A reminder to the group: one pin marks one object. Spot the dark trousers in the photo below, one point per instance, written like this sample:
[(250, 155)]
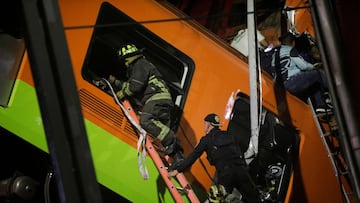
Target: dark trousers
[(308, 84), (155, 119), (237, 176)]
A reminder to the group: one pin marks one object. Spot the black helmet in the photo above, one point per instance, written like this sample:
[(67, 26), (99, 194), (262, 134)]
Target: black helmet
[(128, 50), (213, 119), (287, 37)]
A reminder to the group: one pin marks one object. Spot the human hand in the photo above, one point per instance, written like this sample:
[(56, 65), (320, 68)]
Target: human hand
[(172, 173), (317, 65), (120, 95), (112, 78), (99, 83)]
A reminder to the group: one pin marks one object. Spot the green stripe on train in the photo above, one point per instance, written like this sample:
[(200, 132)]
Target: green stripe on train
[(115, 161)]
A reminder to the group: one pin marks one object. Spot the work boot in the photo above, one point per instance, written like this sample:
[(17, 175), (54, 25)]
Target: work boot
[(172, 148), (175, 151), (176, 161)]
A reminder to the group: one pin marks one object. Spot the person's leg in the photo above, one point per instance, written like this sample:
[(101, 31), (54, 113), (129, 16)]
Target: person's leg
[(309, 82), (300, 83), (317, 77), (225, 178), (155, 119), (149, 122), (245, 184)]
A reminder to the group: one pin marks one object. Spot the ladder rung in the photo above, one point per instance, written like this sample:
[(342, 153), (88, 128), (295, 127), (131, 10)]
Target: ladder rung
[(344, 173), (185, 187), (332, 154), (323, 136)]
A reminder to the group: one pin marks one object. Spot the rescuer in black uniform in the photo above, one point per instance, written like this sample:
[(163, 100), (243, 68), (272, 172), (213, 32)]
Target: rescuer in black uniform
[(146, 85), (227, 158)]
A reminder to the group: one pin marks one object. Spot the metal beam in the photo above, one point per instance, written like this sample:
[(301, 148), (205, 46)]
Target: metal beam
[(332, 49), (59, 102), (253, 78)]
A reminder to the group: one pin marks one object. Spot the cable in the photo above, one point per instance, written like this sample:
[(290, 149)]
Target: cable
[(47, 187)]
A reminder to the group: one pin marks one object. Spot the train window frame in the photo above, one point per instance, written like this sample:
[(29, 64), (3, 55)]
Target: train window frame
[(112, 30), (11, 53)]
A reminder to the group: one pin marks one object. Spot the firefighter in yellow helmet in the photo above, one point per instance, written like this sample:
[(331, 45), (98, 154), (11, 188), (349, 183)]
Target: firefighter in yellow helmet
[(217, 194), (145, 84)]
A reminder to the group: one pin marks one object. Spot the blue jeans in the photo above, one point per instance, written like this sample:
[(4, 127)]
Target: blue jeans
[(308, 84)]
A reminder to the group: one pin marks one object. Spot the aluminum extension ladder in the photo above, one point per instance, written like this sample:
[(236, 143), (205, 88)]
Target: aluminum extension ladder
[(327, 125)]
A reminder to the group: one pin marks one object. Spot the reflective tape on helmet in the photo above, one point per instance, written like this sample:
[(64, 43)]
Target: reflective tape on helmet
[(127, 49)]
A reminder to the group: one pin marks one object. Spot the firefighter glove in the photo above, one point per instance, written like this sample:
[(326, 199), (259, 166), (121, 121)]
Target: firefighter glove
[(120, 95), (318, 65), (112, 79), (100, 83)]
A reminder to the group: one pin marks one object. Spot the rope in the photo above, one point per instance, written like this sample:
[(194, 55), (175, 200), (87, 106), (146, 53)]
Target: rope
[(141, 149)]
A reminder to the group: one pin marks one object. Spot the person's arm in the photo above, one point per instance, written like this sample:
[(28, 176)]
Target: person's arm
[(114, 81), (193, 156), (301, 63), (136, 82)]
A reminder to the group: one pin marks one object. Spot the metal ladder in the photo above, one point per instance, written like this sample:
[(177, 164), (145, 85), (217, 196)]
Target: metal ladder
[(176, 192), (327, 128)]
